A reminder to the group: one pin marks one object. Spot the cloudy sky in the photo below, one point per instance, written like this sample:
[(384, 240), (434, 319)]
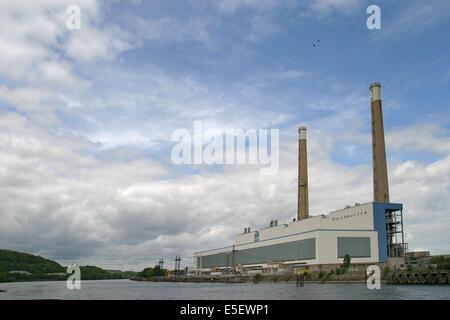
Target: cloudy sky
[(86, 118)]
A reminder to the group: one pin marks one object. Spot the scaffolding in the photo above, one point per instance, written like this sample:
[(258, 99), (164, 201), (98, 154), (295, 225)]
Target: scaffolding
[(396, 245)]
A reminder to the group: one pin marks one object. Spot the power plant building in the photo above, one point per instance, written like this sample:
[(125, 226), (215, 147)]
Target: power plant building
[(369, 233)]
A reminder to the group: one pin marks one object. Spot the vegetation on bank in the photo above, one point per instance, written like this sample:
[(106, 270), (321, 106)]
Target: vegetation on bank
[(96, 273), (440, 262), (17, 266), (18, 261), (149, 273)]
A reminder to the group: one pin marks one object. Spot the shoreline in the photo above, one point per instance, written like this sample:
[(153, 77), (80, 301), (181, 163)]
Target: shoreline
[(249, 280), (54, 280)]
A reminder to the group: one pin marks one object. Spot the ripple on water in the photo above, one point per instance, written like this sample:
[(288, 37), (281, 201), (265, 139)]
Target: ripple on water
[(126, 289)]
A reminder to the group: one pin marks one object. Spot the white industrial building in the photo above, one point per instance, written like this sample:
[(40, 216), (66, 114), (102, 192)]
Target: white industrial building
[(362, 231), (369, 233)]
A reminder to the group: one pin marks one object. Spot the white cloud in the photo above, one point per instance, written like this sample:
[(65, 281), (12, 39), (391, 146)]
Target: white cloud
[(38, 104), (169, 29), (267, 78), (416, 17), (261, 27), (34, 32), (24, 99), (60, 74), (90, 43), (420, 137), (319, 6), (231, 6), (325, 6), (36, 58)]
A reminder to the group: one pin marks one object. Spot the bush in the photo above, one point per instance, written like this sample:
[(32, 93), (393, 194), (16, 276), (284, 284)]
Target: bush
[(257, 277), (346, 264), (347, 261), (441, 262), (443, 266), (96, 273), (324, 276), (4, 277), (386, 270), (153, 272)]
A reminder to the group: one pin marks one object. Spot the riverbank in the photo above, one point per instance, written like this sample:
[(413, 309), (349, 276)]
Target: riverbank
[(402, 278), (315, 277)]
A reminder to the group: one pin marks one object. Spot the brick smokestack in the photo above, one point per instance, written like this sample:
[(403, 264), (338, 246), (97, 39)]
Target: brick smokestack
[(380, 174), (302, 205)]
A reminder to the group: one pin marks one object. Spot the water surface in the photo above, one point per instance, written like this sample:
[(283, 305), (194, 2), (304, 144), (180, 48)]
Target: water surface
[(127, 289)]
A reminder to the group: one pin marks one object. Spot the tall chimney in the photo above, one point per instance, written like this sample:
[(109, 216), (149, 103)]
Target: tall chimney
[(302, 205), (380, 175)]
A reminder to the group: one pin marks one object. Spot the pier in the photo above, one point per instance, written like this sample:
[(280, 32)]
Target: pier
[(418, 277)]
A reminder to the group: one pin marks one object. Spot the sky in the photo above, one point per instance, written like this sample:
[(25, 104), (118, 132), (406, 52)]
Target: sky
[(86, 118)]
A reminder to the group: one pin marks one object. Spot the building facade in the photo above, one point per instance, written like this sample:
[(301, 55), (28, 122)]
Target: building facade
[(369, 233)]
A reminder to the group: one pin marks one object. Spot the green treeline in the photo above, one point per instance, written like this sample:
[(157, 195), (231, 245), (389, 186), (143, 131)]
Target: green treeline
[(18, 261), (152, 272), (441, 262), (35, 268), (96, 273)]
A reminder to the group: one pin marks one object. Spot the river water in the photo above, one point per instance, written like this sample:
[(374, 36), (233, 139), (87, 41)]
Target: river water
[(127, 289)]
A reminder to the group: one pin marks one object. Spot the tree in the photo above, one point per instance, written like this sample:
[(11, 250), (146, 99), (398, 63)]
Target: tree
[(386, 270), (347, 261), (157, 271), (441, 262)]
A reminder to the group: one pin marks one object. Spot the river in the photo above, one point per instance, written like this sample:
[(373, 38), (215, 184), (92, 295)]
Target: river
[(127, 289)]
